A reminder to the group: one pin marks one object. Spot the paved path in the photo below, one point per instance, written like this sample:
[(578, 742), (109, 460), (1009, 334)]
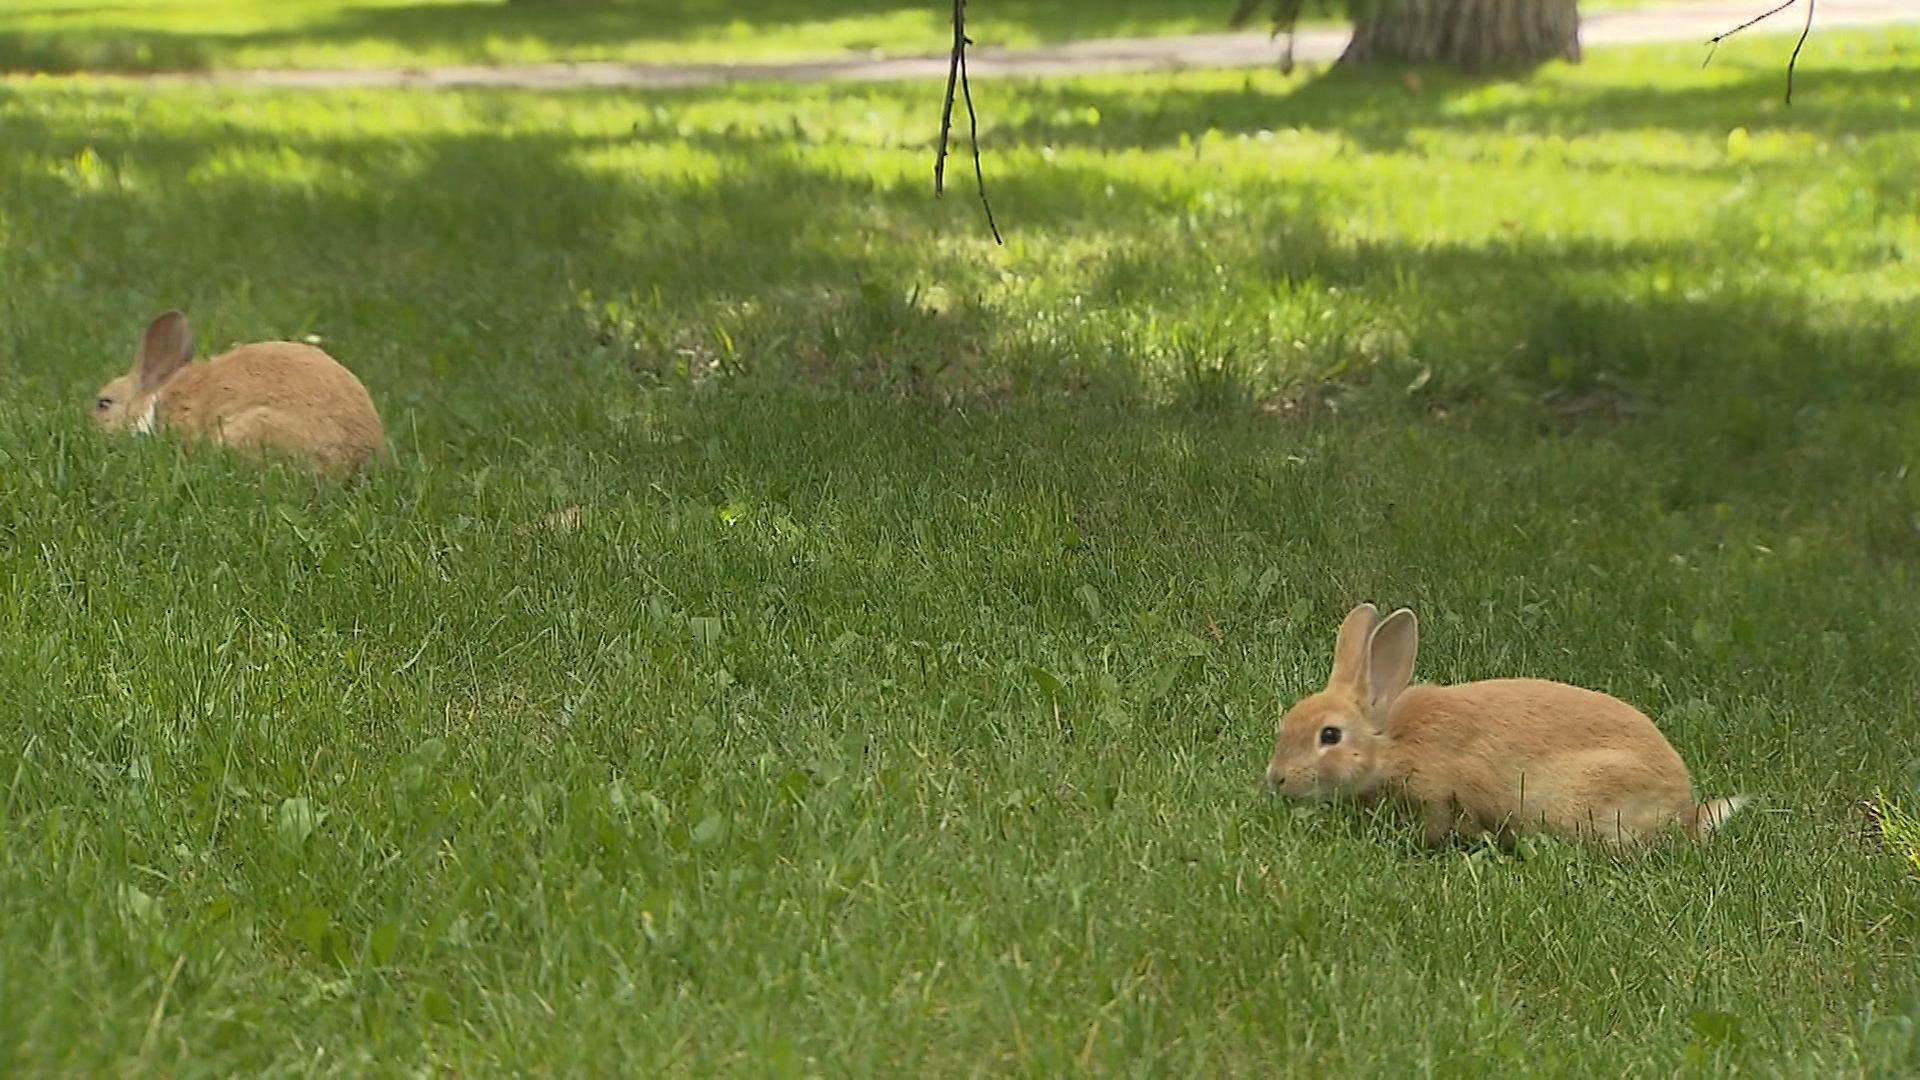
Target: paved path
[(1692, 20)]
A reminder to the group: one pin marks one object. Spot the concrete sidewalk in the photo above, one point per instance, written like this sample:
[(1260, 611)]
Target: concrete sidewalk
[(1695, 20)]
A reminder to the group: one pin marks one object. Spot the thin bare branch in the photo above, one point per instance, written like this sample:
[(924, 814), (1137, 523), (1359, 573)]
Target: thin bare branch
[(1755, 21), (946, 108), (957, 72), (1797, 46), (1713, 43), (973, 133)]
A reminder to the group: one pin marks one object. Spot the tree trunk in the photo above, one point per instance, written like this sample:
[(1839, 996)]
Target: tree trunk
[(1472, 35)]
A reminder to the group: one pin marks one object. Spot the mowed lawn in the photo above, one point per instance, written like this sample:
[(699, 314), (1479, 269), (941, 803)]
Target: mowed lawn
[(163, 35), (166, 34), (900, 701)]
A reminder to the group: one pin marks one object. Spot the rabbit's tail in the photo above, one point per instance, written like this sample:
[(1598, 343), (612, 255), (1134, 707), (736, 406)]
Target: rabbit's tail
[(1710, 816)]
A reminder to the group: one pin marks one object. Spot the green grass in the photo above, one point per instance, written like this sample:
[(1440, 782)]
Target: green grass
[(1900, 829), (149, 35), (163, 34), (901, 703)]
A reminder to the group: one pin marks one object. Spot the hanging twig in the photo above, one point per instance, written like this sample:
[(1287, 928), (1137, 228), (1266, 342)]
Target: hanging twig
[(946, 108), (1797, 46), (1714, 42), (957, 73), (973, 135)]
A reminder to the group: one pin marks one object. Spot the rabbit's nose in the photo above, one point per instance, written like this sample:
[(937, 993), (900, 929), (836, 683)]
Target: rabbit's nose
[(1274, 778)]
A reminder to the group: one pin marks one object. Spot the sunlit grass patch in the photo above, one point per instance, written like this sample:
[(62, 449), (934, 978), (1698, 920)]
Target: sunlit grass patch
[(1900, 829)]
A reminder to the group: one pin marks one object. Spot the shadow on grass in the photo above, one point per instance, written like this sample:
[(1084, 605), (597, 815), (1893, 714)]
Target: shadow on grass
[(1378, 110), (128, 51), (466, 27), (486, 284), (474, 31)]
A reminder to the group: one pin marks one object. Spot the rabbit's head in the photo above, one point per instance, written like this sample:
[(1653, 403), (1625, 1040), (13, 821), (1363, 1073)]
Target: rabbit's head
[(1331, 742), (128, 401)]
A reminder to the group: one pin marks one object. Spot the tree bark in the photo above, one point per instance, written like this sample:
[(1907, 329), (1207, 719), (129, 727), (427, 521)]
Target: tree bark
[(1472, 35)]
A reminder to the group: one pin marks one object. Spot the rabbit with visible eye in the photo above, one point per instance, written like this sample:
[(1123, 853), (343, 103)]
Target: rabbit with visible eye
[(278, 397), (1503, 756)]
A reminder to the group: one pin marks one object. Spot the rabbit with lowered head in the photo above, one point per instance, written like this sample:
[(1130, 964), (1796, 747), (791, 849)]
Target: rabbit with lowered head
[(278, 397), (1503, 756)]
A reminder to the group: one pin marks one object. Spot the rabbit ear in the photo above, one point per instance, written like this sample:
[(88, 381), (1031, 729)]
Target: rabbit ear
[(165, 348), (1350, 648), (1390, 654)]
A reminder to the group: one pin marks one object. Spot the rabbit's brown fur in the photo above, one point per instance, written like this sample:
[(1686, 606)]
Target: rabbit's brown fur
[(1503, 756), (277, 397)]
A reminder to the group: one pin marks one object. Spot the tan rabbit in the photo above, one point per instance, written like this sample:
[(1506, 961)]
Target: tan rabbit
[(277, 397), (1504, 756)]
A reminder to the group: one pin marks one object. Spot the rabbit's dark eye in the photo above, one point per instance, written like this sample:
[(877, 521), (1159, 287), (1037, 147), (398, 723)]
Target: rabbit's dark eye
[(102, 404), (1329, 735)]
